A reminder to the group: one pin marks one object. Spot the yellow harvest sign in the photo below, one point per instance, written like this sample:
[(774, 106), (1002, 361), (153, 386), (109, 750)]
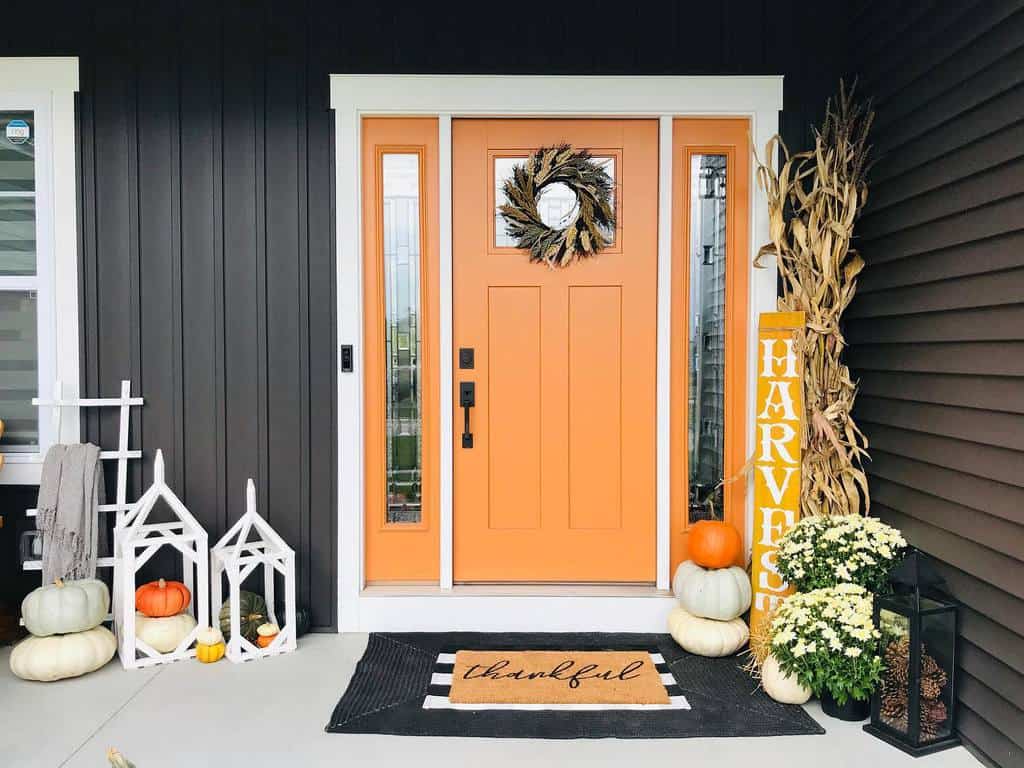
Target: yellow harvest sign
[(779, 426)]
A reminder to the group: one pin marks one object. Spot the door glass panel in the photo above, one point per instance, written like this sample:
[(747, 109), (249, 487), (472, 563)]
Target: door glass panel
[(707, 336), (17, 194), (403, 338), (557, 203), (19, 378)]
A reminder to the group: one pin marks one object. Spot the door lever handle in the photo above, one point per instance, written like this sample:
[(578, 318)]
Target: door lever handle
[(467, 399)]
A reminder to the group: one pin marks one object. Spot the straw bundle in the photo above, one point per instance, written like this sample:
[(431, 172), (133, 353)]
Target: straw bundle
[(760, 645), (813, 202)]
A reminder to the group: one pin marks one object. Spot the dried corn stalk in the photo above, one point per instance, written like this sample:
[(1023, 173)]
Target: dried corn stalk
[(813, 203)]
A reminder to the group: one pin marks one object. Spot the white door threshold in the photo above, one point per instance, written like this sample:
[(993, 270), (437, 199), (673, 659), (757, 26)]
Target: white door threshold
[(512, 608)]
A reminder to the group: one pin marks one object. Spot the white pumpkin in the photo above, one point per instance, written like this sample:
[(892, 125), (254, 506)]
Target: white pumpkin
[(707, 637), (165, 633), (785, 689), (59, 656), (65, 606), (717, 593)]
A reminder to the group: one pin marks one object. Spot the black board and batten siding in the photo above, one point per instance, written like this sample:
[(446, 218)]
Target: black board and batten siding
[(937, 329), (206, 205)]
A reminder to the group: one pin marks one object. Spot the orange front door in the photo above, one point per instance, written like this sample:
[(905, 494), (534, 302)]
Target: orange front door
[(559, 484)]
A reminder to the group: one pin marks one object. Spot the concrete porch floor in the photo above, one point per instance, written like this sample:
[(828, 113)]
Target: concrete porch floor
[(272, 713)]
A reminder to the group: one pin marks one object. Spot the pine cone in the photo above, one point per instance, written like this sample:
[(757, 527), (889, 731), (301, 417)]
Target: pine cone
[(933, 718), (931, 688), (897, 656), (891, 708)]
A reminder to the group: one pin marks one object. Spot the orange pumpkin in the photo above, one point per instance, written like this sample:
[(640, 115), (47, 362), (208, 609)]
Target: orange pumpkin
[(714, 544), (265, 634), (162, 598)]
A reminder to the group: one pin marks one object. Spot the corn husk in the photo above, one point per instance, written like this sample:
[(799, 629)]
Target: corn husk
[(814, 201)]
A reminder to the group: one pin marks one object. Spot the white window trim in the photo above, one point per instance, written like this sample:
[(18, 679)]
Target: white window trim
[(452, 96), (48, 86)]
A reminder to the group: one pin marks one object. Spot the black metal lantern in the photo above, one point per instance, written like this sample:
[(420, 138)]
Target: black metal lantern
[(914, 706)]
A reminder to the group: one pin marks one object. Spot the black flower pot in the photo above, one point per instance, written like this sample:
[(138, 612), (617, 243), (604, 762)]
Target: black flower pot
[(854, 710)]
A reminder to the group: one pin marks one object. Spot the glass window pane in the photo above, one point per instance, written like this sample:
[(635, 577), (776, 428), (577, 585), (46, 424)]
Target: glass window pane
[(401, 237), (938, 656), (895, 629), (557, 203), (19, 379), (707, 336), (17, 194)]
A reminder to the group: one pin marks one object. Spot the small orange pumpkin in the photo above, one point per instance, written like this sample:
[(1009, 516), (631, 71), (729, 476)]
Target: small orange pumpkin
[(265, 634), (162, 598), (714, 544)]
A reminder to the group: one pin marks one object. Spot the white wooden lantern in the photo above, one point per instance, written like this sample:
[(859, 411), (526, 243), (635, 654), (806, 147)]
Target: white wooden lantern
[(134, 544), (249, 544)]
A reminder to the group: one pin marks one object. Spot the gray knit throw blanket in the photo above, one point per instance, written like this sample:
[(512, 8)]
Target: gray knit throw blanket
[(70, 492)]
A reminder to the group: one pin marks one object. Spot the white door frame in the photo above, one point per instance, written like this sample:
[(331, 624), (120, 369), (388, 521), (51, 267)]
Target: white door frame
[(448, 607)]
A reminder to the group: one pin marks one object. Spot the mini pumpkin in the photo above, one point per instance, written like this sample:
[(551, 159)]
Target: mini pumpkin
[(707, 637), (163, 633), (65, 606), (59, 656), (720, 593), (252, 611), (209, 645), (715, 544), (265, 634), (785, 689), (162, 598)]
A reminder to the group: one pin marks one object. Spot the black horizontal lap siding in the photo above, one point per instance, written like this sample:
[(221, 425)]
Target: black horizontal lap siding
[(207, 202), (937, 329)]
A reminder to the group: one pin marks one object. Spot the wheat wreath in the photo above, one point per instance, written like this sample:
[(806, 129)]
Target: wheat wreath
[(587, 233)]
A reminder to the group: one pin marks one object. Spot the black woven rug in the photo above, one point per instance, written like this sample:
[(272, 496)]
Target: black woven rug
[(391, 692)]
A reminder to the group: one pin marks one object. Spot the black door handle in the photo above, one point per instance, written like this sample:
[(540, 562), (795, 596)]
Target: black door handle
[(467, 399)]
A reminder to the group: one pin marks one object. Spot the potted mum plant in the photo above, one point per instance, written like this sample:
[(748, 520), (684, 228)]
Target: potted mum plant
[(826, 638), (823, 551)]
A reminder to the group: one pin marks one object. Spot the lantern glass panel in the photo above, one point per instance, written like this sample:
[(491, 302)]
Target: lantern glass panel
[(938, 640), (895, 629)]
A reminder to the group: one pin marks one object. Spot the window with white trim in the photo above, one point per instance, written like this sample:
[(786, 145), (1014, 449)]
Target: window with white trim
[(26, 346), (38, 258)]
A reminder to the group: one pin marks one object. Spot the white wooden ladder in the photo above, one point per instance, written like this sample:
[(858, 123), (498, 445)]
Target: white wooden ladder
[(121, 506)]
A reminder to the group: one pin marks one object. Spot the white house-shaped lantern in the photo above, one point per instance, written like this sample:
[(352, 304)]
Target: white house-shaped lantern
[(249, 544), (134, 544)]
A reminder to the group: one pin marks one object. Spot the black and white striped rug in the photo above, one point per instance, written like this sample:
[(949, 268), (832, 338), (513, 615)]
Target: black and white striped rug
[(402, 683)]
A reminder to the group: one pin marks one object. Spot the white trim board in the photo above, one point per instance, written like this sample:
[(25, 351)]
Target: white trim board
[(452, 96), (457, 611)]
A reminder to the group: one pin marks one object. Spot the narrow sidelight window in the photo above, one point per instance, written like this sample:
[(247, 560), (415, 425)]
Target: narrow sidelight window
[(403, 336), (706, 358)]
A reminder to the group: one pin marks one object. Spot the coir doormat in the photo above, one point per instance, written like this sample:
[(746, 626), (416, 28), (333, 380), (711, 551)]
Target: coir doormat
[(405, 685), (561, 678)]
